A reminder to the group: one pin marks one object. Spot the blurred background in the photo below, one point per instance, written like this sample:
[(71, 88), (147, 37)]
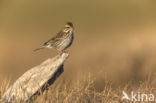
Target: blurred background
[(114, 40)]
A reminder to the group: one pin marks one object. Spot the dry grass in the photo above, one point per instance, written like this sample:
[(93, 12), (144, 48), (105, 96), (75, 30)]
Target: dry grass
[(84, 91), (4, 84)]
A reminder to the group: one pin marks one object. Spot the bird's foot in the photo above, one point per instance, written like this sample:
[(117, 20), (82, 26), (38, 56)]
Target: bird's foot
[(61, 52)]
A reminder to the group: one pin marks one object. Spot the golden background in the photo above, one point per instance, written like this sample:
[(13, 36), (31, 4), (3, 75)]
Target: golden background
[(114, 40)]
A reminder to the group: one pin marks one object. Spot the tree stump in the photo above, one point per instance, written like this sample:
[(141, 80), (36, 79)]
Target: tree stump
[(35, 80)]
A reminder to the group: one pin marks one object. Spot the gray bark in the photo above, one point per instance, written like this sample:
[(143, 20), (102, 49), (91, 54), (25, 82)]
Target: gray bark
[(36, 79)]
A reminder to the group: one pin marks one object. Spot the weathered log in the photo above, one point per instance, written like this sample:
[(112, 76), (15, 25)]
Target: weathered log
[(35, 79)]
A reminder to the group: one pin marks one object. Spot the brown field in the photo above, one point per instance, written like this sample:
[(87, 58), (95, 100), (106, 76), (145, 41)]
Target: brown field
[(114, 48)]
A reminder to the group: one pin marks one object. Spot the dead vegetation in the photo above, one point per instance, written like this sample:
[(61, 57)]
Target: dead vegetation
[(85, 92)]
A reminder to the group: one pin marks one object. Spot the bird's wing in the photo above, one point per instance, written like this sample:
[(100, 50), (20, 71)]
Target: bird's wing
[(54, 39), (51, 41), (59, 35)]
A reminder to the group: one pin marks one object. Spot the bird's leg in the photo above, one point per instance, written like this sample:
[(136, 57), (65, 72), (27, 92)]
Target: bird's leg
[(60, 52), (64, 51)]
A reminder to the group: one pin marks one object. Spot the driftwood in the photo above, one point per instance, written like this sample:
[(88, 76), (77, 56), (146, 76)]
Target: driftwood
[(36, 79)]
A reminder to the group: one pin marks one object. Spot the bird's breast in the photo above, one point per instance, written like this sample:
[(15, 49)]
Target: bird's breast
[(66, 42)]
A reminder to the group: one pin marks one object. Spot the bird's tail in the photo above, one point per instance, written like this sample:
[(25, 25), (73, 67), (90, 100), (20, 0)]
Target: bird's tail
[(39, 48)]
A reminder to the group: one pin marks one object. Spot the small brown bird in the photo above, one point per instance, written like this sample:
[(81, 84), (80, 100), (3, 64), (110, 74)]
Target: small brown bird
[(62, 40)]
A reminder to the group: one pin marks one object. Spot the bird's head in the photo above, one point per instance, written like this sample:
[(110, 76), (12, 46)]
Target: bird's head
[(68, 26)]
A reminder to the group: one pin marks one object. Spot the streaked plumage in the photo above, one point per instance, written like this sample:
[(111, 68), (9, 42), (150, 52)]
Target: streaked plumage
[(62, 40)]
